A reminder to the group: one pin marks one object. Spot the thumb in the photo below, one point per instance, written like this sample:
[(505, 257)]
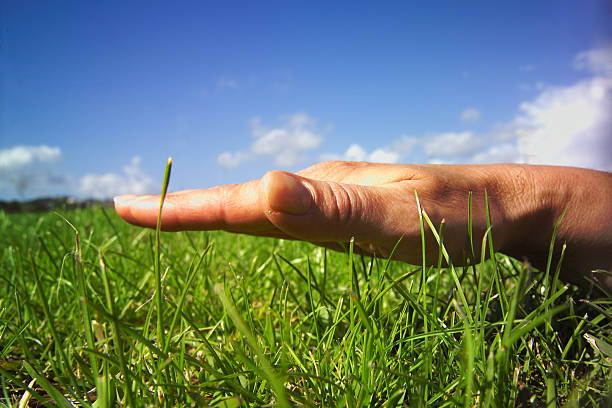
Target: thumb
[(327, 211)]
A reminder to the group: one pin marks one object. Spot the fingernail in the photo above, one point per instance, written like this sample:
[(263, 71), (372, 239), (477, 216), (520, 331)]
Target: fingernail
[(287, 194), (123, 199)]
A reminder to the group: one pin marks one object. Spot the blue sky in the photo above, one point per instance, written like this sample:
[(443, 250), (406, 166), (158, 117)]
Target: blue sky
[(94, 96)]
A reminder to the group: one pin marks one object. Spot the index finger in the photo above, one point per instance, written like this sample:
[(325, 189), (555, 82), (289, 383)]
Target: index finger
[(235, 208)]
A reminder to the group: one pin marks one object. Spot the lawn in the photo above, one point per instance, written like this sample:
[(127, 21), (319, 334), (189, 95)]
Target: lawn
[(229, 320)]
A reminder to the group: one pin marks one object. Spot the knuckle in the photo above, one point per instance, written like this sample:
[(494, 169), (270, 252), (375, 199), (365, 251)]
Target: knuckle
[(343, 203)]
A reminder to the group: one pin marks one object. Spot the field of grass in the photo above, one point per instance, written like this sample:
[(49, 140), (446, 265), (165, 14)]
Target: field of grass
[(228, 321)]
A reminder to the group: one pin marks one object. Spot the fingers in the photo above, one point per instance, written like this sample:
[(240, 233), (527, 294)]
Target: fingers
[(285, 205), (235, 208)]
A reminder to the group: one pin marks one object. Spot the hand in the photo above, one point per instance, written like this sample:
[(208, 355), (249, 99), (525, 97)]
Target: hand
[(331, 202)]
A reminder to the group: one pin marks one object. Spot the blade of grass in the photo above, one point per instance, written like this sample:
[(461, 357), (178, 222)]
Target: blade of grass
[(423, 286), (453, 273), (469, 356), (496, 274), (551, 251), (507, 328), (470, 231), (158, 278)]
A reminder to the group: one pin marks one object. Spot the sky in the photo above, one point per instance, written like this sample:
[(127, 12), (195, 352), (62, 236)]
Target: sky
[(95, 96)]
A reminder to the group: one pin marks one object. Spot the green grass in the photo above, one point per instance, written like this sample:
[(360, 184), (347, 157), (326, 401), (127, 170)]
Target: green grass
[(92, 319)]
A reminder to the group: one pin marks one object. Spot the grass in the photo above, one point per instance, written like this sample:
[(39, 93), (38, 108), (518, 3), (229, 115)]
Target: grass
[(94, 312)]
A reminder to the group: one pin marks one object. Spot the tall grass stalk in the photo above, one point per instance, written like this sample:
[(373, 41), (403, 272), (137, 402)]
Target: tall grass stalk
[(159, 296)]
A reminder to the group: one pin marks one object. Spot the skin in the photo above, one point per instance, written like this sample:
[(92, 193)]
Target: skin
[(331, 202)]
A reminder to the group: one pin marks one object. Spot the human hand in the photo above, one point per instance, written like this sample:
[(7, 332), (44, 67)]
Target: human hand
[(332, 202)]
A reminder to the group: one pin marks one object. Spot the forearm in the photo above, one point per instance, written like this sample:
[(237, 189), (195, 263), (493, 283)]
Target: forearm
[(586, 228)]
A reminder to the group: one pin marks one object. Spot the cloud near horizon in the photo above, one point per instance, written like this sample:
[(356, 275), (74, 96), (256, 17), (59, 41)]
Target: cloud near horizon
[(132, 180), (25, 168), (286, 145), (29, 171), (357, 153)]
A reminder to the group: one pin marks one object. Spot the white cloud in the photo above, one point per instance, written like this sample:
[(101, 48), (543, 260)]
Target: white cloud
[(33, 171), (451, 144), (597, 61), (132, 180), (568, 125), (22, 156), (231, 160), (439, 148), (562, 125), (470, 115), (26, 169), (384, 156), (357, 153), (502, 132), (506, 153), (287, 144), (405, 145), (227, 83)]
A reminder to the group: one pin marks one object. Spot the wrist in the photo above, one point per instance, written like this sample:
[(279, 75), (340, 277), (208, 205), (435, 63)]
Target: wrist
[(534, 200), (529, 198)]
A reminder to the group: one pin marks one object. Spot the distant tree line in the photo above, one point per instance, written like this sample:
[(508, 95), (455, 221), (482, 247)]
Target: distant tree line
[(49, 204)]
